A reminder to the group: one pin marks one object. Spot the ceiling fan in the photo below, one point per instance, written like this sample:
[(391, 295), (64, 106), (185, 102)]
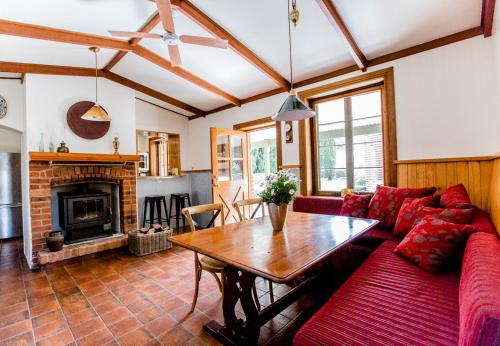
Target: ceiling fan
[(170, 37)]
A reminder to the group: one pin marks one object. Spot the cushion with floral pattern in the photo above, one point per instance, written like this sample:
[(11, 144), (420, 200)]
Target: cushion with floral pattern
[(455, 197), (460, 216), (408, 212), (387, 201), (355, 205), (433, 242)]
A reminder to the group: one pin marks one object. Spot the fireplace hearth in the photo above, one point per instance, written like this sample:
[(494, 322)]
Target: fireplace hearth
[(84, 214)]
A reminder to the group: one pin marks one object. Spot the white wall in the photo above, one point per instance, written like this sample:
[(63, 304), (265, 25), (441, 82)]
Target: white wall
[(13, 92), (48, 99), (446, 103), (496, 44), (149, 117)]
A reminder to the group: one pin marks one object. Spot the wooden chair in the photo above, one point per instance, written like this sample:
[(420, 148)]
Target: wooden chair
[(205, 263), (241, 208)]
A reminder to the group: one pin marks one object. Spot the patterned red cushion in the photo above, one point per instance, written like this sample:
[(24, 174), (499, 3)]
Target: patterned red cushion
[(355, 205), (480, 291), (455, 197), (460, 216), (387, 201), (408, 212), (432, 243)]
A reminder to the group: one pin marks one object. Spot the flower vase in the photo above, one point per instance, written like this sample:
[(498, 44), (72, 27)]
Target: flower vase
[(277, 214)]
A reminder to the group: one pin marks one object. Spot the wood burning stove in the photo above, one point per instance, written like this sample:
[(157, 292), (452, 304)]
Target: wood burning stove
[(84, 214)]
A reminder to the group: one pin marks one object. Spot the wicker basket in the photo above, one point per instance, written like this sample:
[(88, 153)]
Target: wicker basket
[(144, 244)]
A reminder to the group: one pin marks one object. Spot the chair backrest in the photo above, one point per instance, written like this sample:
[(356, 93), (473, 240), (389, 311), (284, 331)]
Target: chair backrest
[(217, 209), (240, 208)]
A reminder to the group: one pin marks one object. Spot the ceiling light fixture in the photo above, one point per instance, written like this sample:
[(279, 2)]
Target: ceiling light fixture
[(96, 113), (293, 108)]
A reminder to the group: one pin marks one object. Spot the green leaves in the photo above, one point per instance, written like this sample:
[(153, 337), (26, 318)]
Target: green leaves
[(280, 188)]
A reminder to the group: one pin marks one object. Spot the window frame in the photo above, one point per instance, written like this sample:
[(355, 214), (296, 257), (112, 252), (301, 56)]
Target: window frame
[(389, 135), (346, 95)]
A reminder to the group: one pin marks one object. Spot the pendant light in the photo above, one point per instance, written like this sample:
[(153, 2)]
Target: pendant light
[(96, 113), (293, 108)]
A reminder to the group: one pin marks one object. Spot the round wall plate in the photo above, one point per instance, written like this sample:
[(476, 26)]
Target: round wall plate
[(85, 128), (3, 107)]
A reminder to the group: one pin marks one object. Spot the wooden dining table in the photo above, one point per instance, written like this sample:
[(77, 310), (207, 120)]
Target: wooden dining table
[(251, 249)]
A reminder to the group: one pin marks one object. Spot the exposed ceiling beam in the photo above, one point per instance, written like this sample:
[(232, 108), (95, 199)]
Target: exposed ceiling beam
[(147, 27), (459, 36), (153, 93), (334, 18), (59, 35), (200, 18), (487, 15), (23, 68), (17, 67), (179, 71)]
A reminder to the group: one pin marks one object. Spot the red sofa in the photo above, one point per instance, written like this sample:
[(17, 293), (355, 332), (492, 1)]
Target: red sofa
[(390, 301)]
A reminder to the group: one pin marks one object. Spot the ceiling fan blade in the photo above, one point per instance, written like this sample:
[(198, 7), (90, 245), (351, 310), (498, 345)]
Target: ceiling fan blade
[(165, 11), (134, 34), (204, 41), (175, 56)]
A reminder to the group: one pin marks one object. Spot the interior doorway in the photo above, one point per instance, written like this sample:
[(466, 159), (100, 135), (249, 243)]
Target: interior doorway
[(263, 156)]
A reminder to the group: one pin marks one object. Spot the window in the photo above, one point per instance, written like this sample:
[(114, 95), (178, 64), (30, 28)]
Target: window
[(263, 157), (349, 150)]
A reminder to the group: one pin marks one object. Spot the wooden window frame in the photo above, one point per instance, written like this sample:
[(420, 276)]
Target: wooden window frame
[(358, 84)]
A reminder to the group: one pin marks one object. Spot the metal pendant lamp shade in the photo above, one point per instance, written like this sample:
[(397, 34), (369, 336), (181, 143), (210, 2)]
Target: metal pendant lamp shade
[(96, 112), (293, 109)]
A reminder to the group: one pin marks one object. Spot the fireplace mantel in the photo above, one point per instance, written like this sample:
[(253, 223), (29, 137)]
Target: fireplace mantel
[(82, 157)]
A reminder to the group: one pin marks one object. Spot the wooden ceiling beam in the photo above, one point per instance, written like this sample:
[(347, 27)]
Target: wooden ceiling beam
[(334, 18), (17, 67), (179, 71), (200, 18), (59, 35), (147, 27), (459, 36), (151, 92), (487, 15)]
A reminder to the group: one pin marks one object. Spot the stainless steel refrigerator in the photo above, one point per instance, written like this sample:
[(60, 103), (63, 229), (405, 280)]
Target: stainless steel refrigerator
[(11, 210)]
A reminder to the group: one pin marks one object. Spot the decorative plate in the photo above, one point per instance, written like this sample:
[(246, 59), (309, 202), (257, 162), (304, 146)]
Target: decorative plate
[(3, 107), (85, 128)]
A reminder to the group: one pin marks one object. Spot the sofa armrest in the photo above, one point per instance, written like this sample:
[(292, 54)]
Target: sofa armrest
[(479, 295), (318, 205)]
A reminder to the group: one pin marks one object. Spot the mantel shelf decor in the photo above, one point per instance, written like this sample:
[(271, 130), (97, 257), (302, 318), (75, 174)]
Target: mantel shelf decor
[(82, 157)]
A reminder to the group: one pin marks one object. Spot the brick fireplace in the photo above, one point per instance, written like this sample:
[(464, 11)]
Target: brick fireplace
[(53, 170)]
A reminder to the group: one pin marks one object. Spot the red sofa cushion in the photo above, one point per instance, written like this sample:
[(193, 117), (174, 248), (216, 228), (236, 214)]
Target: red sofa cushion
[(455, 197), (387, 301), (318, 205), (460, 216), (482, 222), (387, 201), (433, 242), (408, 212), (355, 205), (480, 291)]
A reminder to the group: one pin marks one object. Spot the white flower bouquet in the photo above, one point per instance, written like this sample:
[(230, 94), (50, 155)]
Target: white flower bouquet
[(279, 188)]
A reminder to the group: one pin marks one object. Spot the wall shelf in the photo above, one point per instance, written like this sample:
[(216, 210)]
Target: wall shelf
[(81, 157)]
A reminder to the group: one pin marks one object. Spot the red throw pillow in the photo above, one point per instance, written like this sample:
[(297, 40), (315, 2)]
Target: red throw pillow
[(355, 205), (460, 216), (432, 243), (408, 212), (387, 201), (455, 197)]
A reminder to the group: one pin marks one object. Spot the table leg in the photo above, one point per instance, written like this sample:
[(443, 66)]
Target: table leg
[(237, 286)]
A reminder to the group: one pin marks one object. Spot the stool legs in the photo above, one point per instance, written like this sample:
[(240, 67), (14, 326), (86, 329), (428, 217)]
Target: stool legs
[(164, 201), (144, 213)]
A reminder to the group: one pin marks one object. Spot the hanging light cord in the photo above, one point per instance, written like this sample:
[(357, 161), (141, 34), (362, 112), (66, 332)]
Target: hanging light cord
[(290, 43), (95, 53)]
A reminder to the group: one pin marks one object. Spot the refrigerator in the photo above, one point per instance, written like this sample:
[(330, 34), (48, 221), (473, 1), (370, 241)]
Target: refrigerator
[(11, 214)]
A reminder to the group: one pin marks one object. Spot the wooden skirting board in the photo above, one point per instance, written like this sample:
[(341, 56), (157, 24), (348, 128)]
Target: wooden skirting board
[(480, 175)]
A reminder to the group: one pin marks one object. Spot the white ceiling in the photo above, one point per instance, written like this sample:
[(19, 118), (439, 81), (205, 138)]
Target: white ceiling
[(378, 26)]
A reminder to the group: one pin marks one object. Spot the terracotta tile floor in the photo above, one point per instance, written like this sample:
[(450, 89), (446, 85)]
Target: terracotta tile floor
[(116, 299)]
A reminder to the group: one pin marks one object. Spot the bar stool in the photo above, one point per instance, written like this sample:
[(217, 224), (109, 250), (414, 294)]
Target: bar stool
[(155, 202), (179, 199)]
